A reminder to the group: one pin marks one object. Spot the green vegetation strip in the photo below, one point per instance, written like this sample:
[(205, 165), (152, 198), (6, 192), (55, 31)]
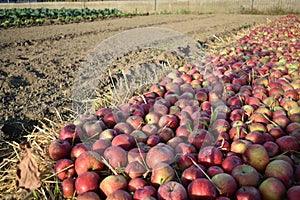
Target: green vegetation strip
[(29, 16)]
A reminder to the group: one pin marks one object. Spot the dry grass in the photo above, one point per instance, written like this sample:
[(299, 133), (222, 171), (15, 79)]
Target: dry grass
[(48, 130)]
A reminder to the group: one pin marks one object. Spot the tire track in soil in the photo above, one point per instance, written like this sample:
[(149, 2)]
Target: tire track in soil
[(38, 64)]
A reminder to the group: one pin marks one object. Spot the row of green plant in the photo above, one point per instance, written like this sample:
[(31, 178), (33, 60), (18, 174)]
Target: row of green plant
[(29, 16)]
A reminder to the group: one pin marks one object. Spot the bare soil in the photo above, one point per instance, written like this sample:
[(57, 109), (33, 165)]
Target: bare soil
[(38, 64)]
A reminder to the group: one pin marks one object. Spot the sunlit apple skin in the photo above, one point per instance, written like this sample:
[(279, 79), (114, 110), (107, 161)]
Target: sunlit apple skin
[(87, 181), (202, 188), (191, 173), (172, 190), (78, 149), (231, 162), (281, 170), (112, 183), (209, 156), (256, 156), (161, 173), (68, 187), (246, 175), (247, 193), (88, 196), (272, 188), (88, 161), (226, 183), (64, 169)]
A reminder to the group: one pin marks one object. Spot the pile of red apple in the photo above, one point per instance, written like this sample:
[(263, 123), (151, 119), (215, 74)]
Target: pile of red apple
[(224, 128)]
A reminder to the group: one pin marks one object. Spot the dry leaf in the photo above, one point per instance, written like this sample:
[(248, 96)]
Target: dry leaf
[(27, 171)]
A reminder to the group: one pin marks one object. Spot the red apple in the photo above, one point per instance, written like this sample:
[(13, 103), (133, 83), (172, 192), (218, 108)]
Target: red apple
[(71, 132), (125, 141), (240, 145), (200, 138), (158, 154), (190, 174), (225, 183), (135, 169), (202, 188), (172, 190), (88, 196), (120, 195), (256, 156), (247, 193), (135, 184), (123, 128), (231, 162), (59, 149), (112, 183), (64, 169), (150, 129), (88, 161), (287, 143), (272, 148), (135, 121), (169, 121), (68, 187), (246, 175), (78, 149), (144, 192), (116, 156), (209, 156), (293, 192), (162, 173), (272, 188), (281, 170), (87, 181)]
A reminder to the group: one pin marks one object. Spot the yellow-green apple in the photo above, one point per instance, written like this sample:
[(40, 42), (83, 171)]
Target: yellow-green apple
[(231, 162), (246, 175), (88, 161), (281, 170), (202, 188), (116, 156), (161, 173), (108, 134), (68, 187), (247, 192), (64, 168), (255, 126), (112, 183), (152, 117), (240, 145), (158, 154), (256, 156), (87, 181), (237, 132), (139, 136), (88, 196), (59, 149), (225, 183), (272, 188), (172, 190)]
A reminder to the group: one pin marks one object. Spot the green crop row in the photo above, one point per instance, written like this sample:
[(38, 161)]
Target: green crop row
[(29, 16)]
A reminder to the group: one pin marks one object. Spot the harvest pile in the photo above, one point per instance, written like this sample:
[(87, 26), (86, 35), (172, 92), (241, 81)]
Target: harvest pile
[(227, 127), (30, 16)]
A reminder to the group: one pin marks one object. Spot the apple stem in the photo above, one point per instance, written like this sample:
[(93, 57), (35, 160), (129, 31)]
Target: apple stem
[(196, 164), (108, 165)]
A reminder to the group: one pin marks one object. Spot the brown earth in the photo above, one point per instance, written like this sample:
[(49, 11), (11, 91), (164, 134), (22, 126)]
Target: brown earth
[(39, 64)]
